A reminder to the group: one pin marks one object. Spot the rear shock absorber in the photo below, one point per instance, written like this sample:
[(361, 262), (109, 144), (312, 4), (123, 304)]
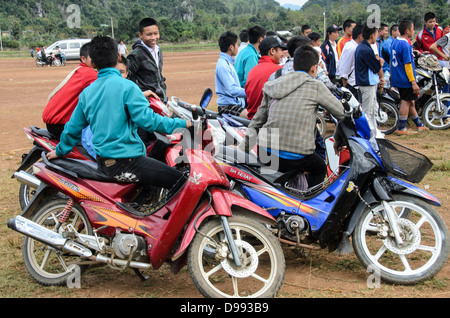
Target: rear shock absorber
[(62, 218)]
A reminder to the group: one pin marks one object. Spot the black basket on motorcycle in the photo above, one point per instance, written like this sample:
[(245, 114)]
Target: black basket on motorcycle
[(403, 162)]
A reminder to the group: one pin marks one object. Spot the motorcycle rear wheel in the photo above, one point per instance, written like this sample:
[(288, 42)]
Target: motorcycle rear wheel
[(387, 119), (434, 119), (45, 264), (263, 269), (424, 250)]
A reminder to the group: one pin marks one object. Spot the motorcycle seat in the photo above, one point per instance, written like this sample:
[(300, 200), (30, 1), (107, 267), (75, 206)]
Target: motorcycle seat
[(42, 132), (236, 156), (81, 168)]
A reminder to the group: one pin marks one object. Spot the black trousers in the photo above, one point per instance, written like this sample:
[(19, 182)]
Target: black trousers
[(55, 129), (146, 171), (313, 164)]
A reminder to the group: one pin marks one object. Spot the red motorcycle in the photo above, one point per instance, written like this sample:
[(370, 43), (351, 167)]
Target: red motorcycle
[(218, 234)]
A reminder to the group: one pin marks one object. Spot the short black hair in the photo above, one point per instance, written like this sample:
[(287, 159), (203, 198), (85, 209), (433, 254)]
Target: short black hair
[(348, 23), (357, 30), (383, 25), (368, 31), (103, 51), (226, 39), (306, 27), (256, 32), (428, 16), (147, 22), (394, 27), (314, 36), (297, 41), (404, 25), (243, 36), (84, 50), (305, 57), (124, 61)]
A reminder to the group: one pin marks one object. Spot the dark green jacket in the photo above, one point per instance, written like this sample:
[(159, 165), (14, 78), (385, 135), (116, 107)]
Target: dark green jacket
[(144, 71)]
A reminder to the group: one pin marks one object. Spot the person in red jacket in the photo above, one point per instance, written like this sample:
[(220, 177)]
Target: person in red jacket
[(430, 34), (63, 99), (271, 49)]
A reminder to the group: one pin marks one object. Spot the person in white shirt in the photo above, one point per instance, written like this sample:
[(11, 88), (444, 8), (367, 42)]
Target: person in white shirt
[(346, 66), (122, 48)]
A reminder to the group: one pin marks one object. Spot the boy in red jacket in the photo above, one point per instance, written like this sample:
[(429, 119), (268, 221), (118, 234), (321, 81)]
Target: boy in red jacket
[(430, 34), (64, 98)]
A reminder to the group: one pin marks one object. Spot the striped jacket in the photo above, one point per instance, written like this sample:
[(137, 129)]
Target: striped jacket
[(286, 119)]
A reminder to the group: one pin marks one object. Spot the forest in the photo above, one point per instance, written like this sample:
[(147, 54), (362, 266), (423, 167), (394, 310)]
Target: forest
[(31, 23)]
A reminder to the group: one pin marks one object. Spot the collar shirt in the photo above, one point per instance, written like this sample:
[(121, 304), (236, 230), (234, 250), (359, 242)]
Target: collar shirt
[(227, 84), (153, 52), (346, 66)]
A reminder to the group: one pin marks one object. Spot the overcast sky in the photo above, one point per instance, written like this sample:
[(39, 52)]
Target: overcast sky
[(296, 2)]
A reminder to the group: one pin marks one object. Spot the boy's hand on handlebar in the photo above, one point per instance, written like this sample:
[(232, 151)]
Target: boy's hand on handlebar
[(51, 155), (188, 123)]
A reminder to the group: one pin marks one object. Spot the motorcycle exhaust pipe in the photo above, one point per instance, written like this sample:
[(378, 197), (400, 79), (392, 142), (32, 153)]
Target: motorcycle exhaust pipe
[(119, 262), (27, 179), (46, 236)]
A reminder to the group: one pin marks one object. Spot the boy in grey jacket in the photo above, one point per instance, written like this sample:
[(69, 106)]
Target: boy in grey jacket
[(287, 115)]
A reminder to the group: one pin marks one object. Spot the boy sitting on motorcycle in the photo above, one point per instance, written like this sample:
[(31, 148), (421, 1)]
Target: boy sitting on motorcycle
[(114, 107), (287, 116)]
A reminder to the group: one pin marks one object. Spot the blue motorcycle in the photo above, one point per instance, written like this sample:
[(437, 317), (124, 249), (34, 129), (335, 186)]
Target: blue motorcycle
[(395, 231)]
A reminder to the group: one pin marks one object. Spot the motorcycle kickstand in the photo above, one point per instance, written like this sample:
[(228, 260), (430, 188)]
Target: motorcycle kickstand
[(231, 243), (139, 274)]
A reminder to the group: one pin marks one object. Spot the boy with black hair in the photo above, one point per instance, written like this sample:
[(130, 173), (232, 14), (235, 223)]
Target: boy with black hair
[(289, 105), (348, 29), (369, 75), (249, 56), (145, 62), (329, 50), (306, 30), (114, 107), (243, 36), (403, 77), (231, 96), (430, 33), (64, 98)]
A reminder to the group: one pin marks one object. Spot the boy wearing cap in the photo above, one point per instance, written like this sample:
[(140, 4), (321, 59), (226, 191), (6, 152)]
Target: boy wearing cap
[(271, 53), (329, 50)]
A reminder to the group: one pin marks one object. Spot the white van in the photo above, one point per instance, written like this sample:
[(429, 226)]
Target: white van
[(71, 48)]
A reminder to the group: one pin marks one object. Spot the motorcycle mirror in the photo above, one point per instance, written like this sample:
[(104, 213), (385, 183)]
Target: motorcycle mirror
[(206, 98)]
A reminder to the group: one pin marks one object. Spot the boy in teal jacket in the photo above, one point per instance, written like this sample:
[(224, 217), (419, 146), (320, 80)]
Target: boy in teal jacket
[(114, 107)]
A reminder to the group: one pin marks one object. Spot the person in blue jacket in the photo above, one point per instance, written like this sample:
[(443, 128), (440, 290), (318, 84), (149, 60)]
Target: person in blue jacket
[(114, 107), (369, 75), (329, 51)]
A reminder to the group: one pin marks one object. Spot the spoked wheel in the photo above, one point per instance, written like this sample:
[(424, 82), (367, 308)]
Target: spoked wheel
[(26, 192), (214, 272), (387, 117), (45, 264), (321, 124), (423, 252), (435, 118)]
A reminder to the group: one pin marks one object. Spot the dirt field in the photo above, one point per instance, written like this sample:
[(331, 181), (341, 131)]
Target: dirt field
[(23, 91)]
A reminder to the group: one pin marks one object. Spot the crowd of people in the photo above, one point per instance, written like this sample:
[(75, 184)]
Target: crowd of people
[(275, 82)]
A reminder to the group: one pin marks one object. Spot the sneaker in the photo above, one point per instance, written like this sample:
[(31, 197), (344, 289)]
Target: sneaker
[(402, 132), (422, 129)]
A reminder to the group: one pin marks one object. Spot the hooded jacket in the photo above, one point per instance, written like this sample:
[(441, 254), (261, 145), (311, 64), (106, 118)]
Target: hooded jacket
[(286, 119), (144, 71)]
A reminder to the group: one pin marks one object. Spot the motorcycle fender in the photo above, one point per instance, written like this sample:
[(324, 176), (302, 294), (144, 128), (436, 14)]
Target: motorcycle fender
[(222, 204), (30, 158), (401, 186), (42, 192)]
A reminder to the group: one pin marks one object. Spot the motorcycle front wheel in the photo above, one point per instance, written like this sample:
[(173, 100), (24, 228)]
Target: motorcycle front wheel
[(48, 266), (214, 272), (434, 118), (423, 252)]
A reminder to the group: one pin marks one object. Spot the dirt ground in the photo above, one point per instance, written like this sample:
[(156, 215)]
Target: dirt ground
[(23, 94)]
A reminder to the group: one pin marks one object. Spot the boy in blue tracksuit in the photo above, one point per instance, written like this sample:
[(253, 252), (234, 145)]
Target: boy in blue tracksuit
[(369, 75), (114, 107)]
